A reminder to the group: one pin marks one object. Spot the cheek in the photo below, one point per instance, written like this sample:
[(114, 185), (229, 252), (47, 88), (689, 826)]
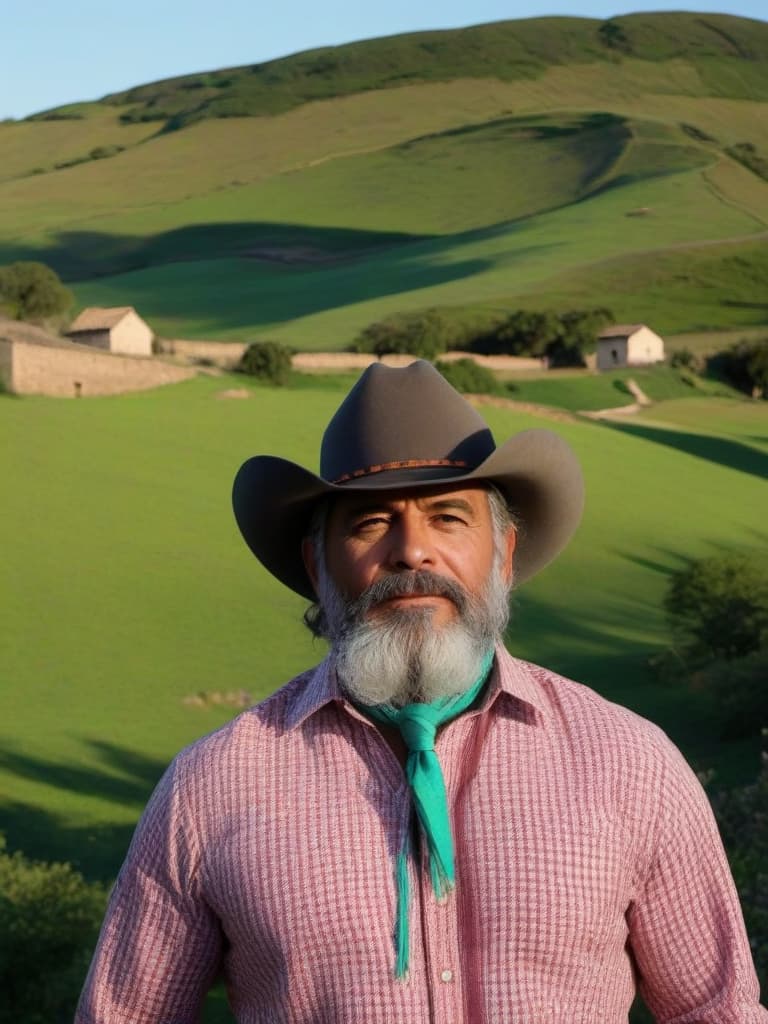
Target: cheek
[(352, 571)]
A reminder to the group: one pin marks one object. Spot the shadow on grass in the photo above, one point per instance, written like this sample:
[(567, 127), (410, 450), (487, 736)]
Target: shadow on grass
[(262, 291), (91, 254), (95, 850), (732, 454)]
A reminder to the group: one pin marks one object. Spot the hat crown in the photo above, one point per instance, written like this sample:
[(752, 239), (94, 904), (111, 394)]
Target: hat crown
[(396, 418)]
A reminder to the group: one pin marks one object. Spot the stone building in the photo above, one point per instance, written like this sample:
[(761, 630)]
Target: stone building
[(628, 345), (118, 329), (33, 362)]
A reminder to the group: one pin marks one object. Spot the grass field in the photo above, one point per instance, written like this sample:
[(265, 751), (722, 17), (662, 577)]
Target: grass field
[(132, 589), (323, 308), (582, 391)]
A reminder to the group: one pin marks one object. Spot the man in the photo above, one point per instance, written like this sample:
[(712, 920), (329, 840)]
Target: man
[(422, 828)]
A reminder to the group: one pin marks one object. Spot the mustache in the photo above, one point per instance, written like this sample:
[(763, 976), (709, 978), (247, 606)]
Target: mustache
[(422, 583)]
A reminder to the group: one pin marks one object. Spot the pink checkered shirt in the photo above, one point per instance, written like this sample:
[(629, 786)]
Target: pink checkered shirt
[(587, 861)]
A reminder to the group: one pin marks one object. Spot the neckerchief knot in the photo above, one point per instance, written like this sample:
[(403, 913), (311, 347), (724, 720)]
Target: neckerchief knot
[(418, 727)]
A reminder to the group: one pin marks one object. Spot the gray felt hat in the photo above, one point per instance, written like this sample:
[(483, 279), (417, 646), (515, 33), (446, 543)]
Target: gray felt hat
[(399, 429)]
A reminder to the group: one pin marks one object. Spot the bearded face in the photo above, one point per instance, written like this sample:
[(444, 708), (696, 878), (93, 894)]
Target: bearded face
[(389, 648)]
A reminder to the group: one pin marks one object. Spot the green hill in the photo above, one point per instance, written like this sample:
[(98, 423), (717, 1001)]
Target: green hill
[(719, 47), (506, 164)]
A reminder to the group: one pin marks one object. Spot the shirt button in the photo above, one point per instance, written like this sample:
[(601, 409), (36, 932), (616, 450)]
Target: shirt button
[(446, 975)]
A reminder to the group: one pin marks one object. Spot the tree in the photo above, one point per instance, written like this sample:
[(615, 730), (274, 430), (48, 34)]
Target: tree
[(32, 291), (49, 922), (426, 334), (267, 360), (564, 339), (527, 333), (718, 607), (744, 365)]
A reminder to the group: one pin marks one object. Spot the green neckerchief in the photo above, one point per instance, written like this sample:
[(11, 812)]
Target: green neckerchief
[(418, 724)]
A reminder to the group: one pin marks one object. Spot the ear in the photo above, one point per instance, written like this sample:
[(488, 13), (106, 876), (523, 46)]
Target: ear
[(510, 543), (310, 561)]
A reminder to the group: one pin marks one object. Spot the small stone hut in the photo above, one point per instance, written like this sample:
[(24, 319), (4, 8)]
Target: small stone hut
[(117, 329), (628, 345), (33, 362)]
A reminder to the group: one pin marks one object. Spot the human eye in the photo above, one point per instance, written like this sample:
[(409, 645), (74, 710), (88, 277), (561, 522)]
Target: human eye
[(450, 519), (369, 522)]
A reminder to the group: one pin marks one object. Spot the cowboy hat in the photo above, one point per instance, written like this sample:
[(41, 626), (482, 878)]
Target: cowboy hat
[(399, 429)]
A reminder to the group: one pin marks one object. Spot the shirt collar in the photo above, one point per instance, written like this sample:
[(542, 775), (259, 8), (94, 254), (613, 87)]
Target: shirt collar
[(509, 675), (517, 680)]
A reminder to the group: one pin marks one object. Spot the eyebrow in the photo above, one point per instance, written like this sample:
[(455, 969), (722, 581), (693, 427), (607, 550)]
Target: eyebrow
[(435, 504)]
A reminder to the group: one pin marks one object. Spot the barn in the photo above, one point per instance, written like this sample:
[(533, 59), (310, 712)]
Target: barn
[(117, 329), (628, 345)]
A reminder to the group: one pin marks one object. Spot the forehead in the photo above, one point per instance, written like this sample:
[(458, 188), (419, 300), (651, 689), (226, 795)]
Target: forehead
[(472, 498)]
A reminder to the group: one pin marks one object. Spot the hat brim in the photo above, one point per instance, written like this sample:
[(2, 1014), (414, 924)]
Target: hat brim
[(273, 501)]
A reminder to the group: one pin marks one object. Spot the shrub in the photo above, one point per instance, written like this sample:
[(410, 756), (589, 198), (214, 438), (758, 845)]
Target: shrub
[(426, 335), (744, 365), (718, 607), (469, 377), (49, 923), (32, 291), (564, 338), (739, 688), (743, 820), (684, 359), (267, 360)]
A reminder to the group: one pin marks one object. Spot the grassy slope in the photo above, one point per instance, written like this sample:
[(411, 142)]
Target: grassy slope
[(726, 52), (345, 174), (581, 391), (171, 182), (132, 588), (324, 308)]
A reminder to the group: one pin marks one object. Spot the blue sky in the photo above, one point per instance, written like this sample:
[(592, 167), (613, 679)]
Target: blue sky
[(58, 52)]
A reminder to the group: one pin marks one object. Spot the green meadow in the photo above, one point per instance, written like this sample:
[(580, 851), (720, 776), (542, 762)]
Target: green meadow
[(538, 162), (129, 588)]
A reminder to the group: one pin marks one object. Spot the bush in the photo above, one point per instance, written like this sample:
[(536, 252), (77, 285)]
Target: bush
[(267, 360), (469, 377), (718, 607), (49, 923), (742, 815), (564, 338), (739, 689), (32, 291), (685, 359), (744, 365), (426, 335)]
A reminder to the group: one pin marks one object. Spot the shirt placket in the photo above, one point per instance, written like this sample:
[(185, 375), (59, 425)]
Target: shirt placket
[(440, 931)]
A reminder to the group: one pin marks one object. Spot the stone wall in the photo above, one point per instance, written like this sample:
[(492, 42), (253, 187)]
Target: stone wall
[(69, 371)]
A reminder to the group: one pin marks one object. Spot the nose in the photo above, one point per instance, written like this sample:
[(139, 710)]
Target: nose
[(410, 546)]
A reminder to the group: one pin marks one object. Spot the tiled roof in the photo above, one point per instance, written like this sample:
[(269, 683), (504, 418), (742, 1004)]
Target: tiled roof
[(620, 330), (96, 318)]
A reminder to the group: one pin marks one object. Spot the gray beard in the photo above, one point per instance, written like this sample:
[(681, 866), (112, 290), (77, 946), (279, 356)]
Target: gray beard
[(399, 656)]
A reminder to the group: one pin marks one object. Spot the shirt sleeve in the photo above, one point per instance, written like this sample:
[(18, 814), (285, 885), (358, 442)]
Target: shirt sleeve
[(160, 946), (686, 928)]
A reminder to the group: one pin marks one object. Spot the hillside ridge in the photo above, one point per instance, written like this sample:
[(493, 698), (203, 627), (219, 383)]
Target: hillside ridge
[(508, 50)]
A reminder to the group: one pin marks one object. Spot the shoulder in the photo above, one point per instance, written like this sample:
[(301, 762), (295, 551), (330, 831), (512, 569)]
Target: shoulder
[(626, 749), (591, 718), (226, 756)]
